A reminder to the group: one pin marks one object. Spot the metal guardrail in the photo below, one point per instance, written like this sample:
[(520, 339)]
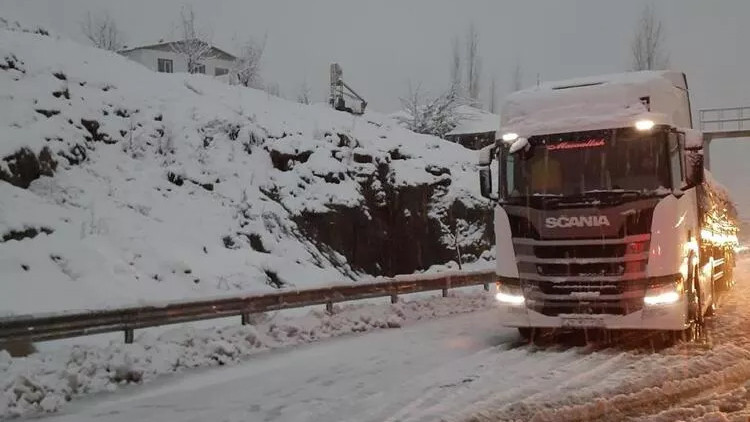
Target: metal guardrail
[(53, 326)]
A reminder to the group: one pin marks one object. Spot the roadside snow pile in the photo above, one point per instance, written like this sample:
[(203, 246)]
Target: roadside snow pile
[(44, 382), (171, 186)]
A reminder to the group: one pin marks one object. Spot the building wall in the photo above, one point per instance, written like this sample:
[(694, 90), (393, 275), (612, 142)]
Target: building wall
[(149, 58)]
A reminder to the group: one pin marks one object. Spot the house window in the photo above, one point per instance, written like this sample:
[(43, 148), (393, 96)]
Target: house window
[(199, 68), (220, 71), (165, 65)]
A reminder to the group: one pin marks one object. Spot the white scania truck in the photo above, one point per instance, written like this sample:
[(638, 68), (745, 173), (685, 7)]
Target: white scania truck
[(604, 216)]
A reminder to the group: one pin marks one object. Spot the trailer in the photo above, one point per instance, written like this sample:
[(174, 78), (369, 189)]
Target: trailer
[(604, 215)]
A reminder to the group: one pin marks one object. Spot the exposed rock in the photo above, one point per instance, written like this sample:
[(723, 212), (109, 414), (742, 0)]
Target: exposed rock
[(25, 167), (395, 234), (285, 162)]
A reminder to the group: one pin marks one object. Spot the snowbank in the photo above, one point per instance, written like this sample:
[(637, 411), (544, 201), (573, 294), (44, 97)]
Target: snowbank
[(172, 186), (44, 382)]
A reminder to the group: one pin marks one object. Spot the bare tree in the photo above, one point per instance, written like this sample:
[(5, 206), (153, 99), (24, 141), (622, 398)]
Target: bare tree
[(456, 68), (493, 96), (473, 63), (432, 116), (274, 89), (247, 66), (303, 93), (102, 31), (648, 44), (517, 81), (193, 46)]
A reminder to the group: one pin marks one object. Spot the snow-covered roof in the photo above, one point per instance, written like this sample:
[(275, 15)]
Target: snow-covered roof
[(475, 120), (162, 45), (597, 102)]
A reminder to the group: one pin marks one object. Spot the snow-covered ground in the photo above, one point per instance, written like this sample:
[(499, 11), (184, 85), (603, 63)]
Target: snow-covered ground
[(45, 381), (172, 186), (459, 369)]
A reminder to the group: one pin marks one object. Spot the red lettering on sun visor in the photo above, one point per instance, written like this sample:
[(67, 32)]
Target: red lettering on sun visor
[(590, 143)]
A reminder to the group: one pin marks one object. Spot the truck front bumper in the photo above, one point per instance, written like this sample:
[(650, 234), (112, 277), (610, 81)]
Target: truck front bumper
[(672, 316)]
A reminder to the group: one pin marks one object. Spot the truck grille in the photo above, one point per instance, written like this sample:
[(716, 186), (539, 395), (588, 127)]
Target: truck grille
[(562, 270), (590, 276), (579, 251)]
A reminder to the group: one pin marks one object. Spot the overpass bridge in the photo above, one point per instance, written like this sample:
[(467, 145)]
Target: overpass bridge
[(723, 123)]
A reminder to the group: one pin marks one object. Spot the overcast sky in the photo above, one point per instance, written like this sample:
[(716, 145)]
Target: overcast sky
[(384, 44)]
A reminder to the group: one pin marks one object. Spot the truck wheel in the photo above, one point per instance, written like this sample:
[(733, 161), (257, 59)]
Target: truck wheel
[(696, 319), (525, 332), (711, 310)]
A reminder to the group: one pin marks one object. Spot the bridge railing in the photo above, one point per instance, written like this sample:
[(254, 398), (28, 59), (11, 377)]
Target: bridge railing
[(731, 119)]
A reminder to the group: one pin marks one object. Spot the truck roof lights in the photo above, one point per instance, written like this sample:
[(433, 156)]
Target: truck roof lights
[(510, 137), (644, 124)]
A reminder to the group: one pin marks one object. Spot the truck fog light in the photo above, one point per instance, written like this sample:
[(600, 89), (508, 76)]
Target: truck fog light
[(666, 298)]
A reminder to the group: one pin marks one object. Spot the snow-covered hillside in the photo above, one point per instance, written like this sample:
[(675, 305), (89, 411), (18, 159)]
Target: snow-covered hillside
[(168, 186)]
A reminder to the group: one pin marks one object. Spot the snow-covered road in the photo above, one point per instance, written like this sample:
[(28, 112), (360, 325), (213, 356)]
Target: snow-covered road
[(410, 374), (462, 368)]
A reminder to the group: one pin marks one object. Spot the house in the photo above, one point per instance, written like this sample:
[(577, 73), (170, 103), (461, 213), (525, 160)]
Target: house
[(476, 129), (162, 57)]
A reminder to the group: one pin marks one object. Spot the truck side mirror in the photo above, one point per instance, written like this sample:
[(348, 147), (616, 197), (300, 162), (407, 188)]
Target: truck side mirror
[(485, 172), (693, 168), (485, 182)]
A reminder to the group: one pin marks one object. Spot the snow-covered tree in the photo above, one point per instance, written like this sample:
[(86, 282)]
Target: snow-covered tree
[(193, 46), (648, 43), (102, 31), (247, 66), (432, 116)]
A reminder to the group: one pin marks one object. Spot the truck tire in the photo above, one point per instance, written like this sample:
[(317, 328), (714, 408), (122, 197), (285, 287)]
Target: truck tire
[(525, 332), (696, 320)]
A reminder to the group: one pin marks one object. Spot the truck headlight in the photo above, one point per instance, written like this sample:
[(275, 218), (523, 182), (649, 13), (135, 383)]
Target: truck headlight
[(666, 298), (513, 299), (664, 291), (511, 294)]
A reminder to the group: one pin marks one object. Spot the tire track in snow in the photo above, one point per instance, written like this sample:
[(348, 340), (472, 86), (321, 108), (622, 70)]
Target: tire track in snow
[(682, 382), (463, 381)]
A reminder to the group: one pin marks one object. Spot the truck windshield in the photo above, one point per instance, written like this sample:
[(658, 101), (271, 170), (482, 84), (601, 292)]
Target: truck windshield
[(581, 163)]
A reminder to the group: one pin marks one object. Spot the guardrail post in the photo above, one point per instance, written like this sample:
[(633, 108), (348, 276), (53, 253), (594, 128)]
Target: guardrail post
[(245, 319), (394, 298), (329, 307), (129, 334)]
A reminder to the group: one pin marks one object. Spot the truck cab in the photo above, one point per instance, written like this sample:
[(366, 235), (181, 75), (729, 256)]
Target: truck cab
[(602, 211)]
